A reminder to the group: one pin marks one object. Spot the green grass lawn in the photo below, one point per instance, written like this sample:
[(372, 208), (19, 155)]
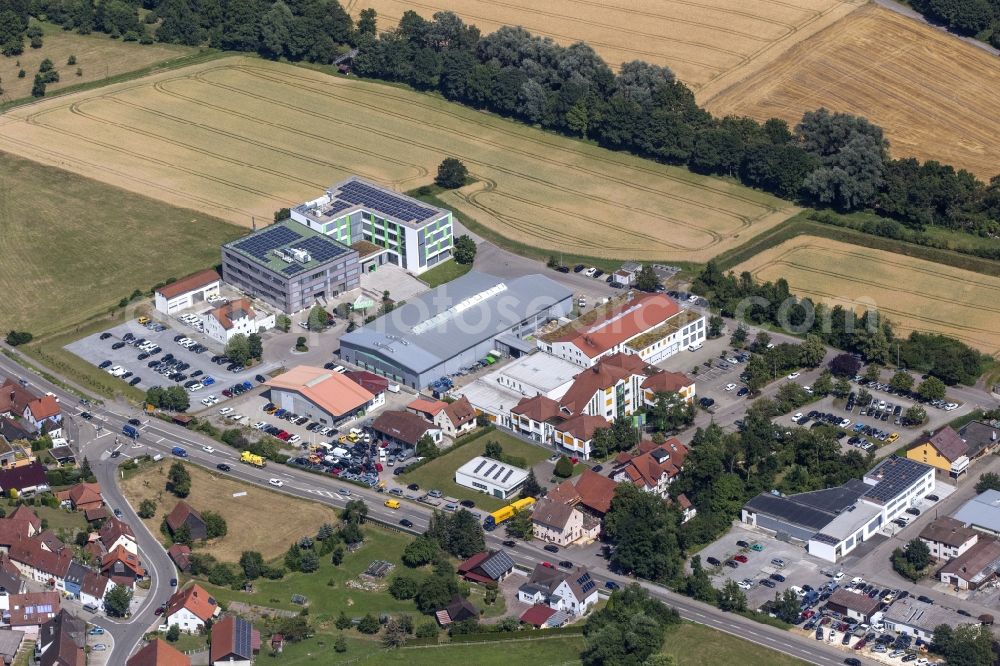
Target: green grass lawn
[(73, 247), (325, 601), (445, 272), (190, 642), (60, 519), (697, 645), (440, 473)]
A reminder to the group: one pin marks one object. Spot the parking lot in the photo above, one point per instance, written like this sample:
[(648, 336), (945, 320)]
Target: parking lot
[(199, 366)]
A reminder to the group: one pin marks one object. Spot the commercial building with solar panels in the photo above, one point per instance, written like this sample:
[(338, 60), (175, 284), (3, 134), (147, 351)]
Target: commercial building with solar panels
[(290, 266), (407, 232), (834, 521), (456, 325), (492, 477)]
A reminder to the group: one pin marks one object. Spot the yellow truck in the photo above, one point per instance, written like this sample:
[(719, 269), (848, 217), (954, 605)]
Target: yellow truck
[(392, 504), (252, 459)]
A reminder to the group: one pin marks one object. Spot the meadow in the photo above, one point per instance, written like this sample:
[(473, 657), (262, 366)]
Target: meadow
[(935, 96), (239, 138), (97, 57), (704, 43), (915, 293), (243, 513), (72, 247)]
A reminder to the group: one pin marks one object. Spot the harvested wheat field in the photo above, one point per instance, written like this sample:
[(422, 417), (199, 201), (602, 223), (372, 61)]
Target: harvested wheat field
[(915, 294), (248, 516), (700, 41), (241, 137), (935, 96)]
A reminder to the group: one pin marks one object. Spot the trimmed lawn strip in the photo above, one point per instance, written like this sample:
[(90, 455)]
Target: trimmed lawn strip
[(445, 272), (439, 474), (697, 645)]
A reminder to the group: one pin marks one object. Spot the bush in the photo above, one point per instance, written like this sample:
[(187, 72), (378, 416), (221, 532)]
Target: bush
[(427, 630), (369, 624), (564, 468), (451, 174), (71, 60), (15, 338), (147, 509)]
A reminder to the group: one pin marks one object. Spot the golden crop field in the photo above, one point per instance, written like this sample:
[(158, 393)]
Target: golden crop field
[(935, 96), (914, 293), (702, 41), (241, 137), (97, 57)]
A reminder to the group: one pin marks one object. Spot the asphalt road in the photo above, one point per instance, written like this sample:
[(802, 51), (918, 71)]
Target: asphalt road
[(160, 437)]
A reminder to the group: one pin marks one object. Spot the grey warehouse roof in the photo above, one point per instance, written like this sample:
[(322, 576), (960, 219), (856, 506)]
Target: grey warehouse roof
[(439, 324), (813, 510), (982, 511)]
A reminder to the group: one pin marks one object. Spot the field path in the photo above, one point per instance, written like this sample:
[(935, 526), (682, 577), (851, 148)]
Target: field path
[(241, 137)]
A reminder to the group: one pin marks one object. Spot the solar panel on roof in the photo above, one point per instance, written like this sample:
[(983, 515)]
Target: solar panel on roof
[(336, 207), (399, 207), (490, 470), (258, 245), (509, 472), (292, 269), (479, 466), (321, 248), (588, 586), (241, 637)]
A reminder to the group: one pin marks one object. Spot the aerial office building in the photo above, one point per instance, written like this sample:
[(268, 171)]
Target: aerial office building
[(384, 226), (290, 266)]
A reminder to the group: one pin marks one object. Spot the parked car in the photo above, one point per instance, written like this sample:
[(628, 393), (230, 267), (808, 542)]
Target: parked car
[(552, 548)]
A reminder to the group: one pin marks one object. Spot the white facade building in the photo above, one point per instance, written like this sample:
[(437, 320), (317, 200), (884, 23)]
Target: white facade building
[(187, 292), (491, 477), (226, 321)]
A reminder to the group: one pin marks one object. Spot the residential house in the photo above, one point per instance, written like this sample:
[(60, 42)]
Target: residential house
[(116, 533), (425, 408), (234, 642), (158, 652), (82, 496), (181, 556), (74, 578), (61, 641), (653, 468), (610, 388), (40, 565), (24, 513), (10, 645), (981, 438), (572, 592), (189, 609), (944, 449), (123, 567), (688, 510), (975, 567), (555, 522), (29, 611), (50, 541), (457, 418), (10, 582), (94, 515), (184, 514), (25, 479), (457, 610), (948, 538), (487, 567), (591, 492), (405, 428), (235, 318), (94, 588), (14, 531), (38, 413), (861, 607), (668, 382), (11, 431)]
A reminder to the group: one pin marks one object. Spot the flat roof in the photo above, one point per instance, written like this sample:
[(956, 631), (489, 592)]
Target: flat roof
[(849, 521), (814, 510), (288, 248), (542, 372), (983, 511), (439, 324), (492, 472), (925, 617), (356, 194), (892, 477), (329, 390), (489, 397)]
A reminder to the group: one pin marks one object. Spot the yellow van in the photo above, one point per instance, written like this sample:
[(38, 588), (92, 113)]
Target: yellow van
[(392, 504), (143, 321)]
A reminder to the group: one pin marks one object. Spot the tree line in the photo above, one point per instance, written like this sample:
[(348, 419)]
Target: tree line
[(975, 18), (827, 160), (867, 333)]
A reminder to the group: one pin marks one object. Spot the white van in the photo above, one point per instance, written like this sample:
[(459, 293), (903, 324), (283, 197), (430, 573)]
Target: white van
[(695, 347)]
